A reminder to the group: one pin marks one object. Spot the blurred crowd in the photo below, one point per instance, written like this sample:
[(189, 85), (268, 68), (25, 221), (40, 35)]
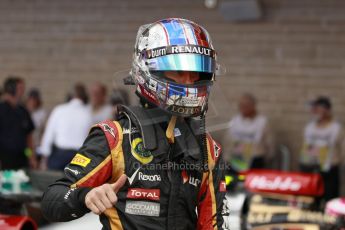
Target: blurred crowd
[(251, 145), (30, 137)]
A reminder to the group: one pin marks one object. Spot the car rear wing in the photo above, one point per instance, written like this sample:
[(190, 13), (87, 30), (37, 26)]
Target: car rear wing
[(288, 183)]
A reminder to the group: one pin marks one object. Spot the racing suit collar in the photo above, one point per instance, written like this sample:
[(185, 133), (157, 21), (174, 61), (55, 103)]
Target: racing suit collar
[(153, 122)]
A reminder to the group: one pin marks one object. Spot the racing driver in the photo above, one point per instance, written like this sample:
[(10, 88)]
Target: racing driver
[(155, 167)]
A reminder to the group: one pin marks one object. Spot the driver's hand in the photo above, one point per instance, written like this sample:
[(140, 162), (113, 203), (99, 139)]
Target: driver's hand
[(103, 197)]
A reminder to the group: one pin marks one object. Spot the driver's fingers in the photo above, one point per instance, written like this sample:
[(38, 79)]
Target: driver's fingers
[(93, 208), (106, 201), (111, 195), (100, 205)]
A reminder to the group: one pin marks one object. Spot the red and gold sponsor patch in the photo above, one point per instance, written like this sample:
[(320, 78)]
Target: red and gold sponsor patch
[(80, 160)]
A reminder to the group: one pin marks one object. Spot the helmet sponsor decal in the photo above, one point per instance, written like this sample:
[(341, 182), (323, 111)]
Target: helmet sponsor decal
[(192, 49), (184, 101), (145, 194), (161, 91), (80, 160), (187, 111), (139, 152), (185, 96), (140, 79), (152, 85), (146, 93), (142, 208)]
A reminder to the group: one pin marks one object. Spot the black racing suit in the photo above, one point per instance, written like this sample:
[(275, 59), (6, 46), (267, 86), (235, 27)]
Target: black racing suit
[(163, 190)]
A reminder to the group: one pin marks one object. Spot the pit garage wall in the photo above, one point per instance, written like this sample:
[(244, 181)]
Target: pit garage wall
[(296, 52)]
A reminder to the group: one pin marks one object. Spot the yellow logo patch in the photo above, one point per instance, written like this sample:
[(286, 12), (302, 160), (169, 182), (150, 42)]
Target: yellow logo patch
[(139, 152), (80, 160)]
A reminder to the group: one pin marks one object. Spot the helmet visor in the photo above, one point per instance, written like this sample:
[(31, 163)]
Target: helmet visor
[(183, 62), (178, 99)]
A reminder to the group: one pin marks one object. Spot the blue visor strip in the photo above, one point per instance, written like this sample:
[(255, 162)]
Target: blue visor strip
[(183, 62), (175, 32)]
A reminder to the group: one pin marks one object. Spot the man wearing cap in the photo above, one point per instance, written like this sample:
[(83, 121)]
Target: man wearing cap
[(322, 149)]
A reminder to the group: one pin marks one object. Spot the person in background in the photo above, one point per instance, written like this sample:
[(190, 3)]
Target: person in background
[(251, 143), (16, 127), (38, 114), (99, 107), (66, 129), (20, 89), (323, 151)]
